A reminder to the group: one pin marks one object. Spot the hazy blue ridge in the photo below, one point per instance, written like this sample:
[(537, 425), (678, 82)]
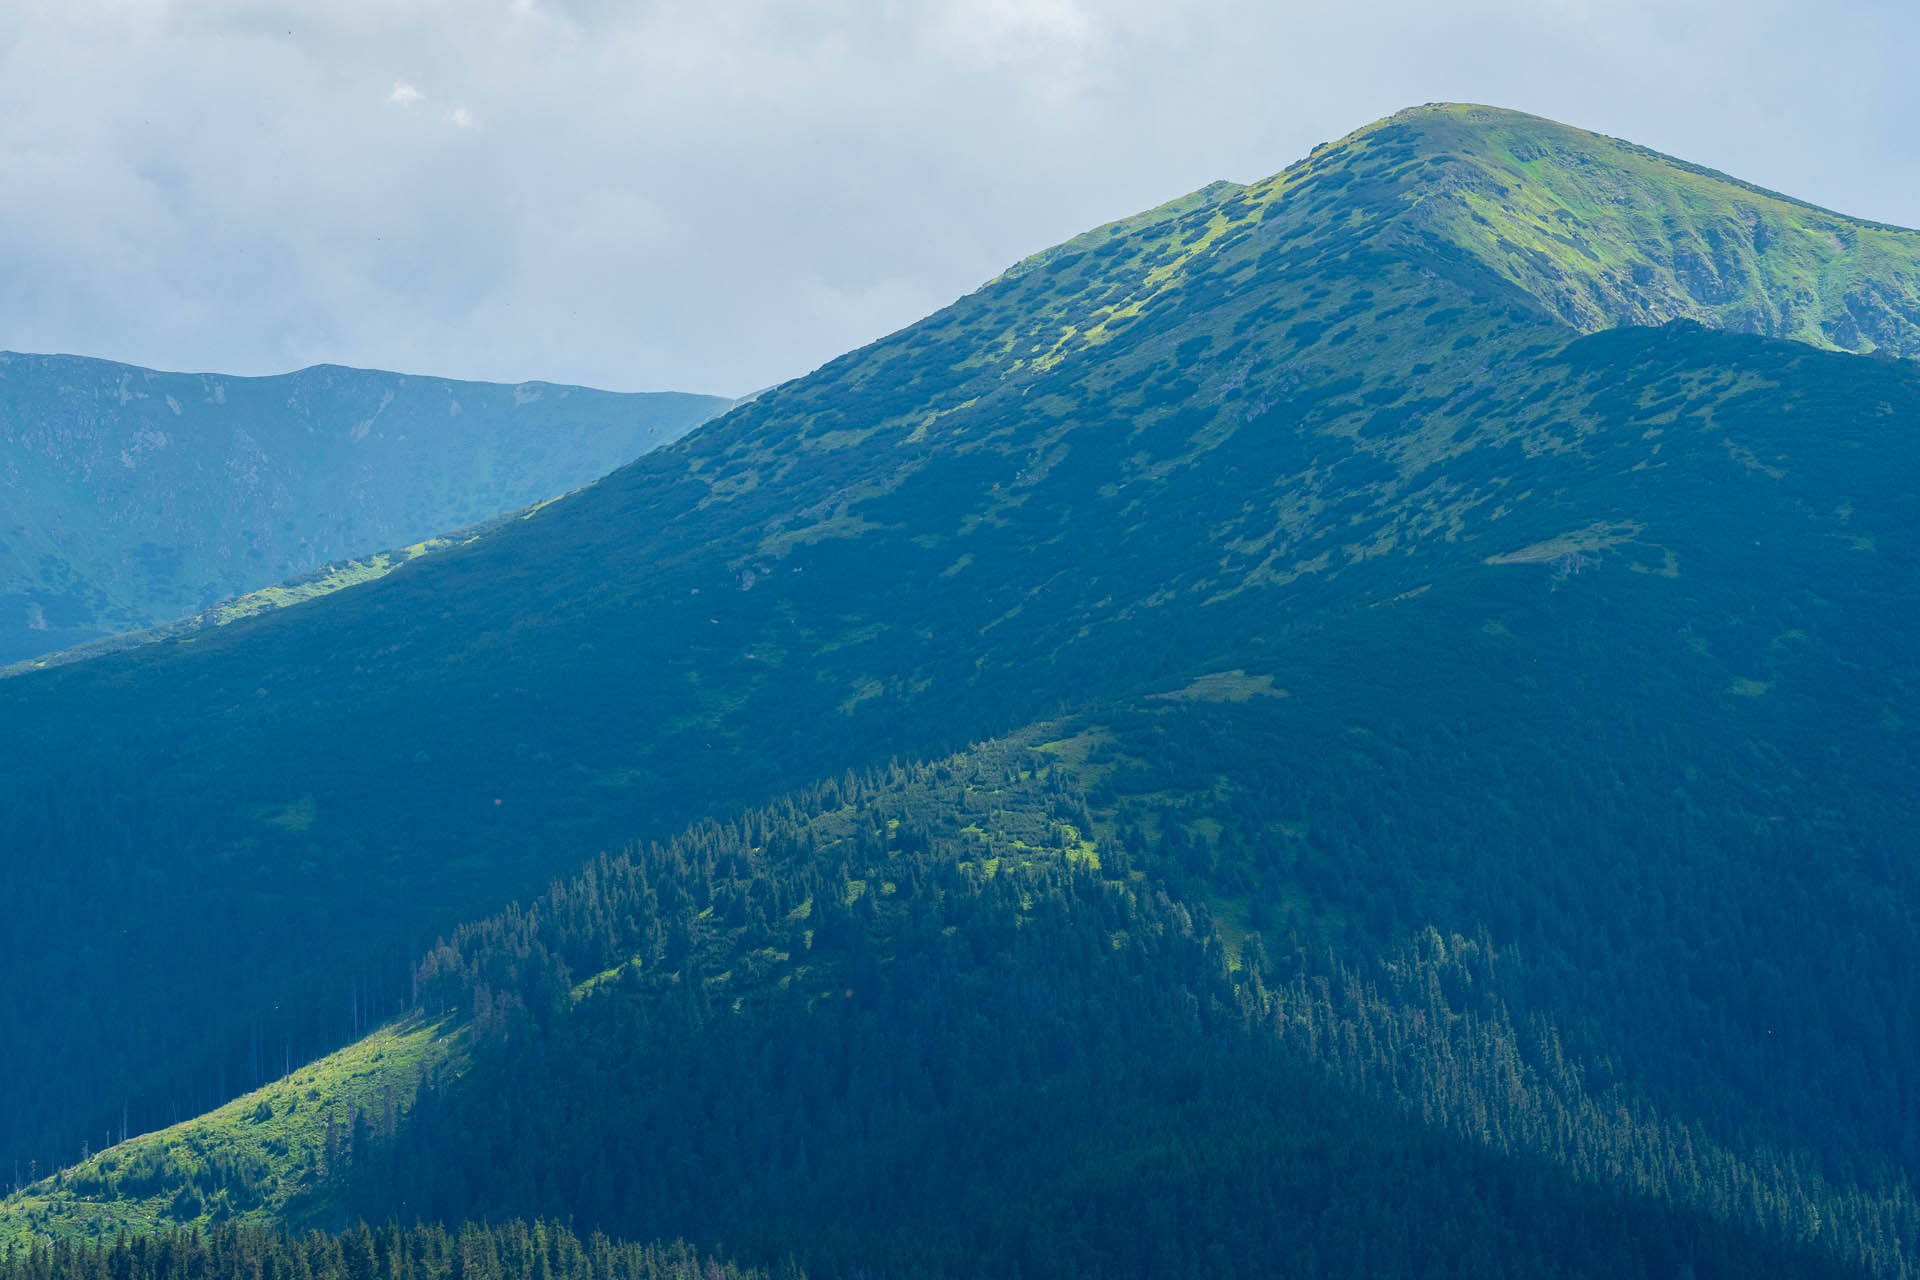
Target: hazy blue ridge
[(130, 497)]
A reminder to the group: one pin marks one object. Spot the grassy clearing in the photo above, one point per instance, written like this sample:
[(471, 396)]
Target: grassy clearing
[(1595, 537), (261, 1157), (332, 578), (1224, 686)]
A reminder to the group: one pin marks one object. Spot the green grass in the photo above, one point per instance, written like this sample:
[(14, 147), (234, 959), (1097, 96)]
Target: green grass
[(1225, 686), (332, 578), (1605, 232), (261, 1157)]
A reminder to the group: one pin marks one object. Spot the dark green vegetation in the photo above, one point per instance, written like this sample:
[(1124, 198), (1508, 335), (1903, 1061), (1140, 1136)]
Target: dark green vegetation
[(814, 1028), (130, 498), (1488, 751), (507, 1252), (855, 1003)]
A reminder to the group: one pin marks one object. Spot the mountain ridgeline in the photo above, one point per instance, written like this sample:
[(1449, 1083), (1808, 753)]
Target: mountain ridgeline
[(130, 498), (1386, 684)]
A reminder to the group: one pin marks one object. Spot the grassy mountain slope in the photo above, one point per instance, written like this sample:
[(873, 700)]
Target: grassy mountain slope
[(1603, 232), (1572, 616), (263, 1157), (130, 497)]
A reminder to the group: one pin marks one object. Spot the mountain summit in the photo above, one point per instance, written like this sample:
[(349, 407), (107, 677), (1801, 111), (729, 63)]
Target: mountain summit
[(1602, 232)]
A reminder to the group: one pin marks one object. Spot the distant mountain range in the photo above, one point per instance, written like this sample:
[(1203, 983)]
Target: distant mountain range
[(1359, 724), (130, 497)]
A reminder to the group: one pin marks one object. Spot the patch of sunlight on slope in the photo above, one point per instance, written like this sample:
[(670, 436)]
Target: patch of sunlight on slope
[(261, 1157), (1595, 537), (1224, 686), (332, 578)]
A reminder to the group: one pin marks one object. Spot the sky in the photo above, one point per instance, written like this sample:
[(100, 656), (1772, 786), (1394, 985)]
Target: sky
[(720, 195)]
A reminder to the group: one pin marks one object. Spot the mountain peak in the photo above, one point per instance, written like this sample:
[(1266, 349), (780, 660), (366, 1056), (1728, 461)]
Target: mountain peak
[(1601, 232), (1526, 221)]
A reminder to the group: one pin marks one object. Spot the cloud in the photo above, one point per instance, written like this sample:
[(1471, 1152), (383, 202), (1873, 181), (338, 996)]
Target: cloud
[(1002, 31), (720, 194)]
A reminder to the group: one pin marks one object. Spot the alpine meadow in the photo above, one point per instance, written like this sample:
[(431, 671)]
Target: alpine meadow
[(1363, 724)]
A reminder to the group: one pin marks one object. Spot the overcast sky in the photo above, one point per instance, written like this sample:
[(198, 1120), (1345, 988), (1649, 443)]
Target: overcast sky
[(715, 195)]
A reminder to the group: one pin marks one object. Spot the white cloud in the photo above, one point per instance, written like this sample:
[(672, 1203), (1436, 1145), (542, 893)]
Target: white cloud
[(999, 31), (719, 194)]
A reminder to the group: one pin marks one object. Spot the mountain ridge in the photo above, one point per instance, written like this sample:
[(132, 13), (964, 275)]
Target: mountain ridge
[(130, 497)]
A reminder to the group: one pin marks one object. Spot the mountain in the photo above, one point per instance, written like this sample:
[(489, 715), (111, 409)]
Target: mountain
[(130, 497), (1491, 685), (1602, 232)]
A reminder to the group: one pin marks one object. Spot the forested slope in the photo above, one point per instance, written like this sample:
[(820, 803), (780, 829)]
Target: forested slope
[(474, 1252), (1045, 1004)]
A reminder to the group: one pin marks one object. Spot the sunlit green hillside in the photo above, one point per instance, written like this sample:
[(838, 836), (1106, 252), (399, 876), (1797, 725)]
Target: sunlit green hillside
[(267, 1156), (1604, 232)]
